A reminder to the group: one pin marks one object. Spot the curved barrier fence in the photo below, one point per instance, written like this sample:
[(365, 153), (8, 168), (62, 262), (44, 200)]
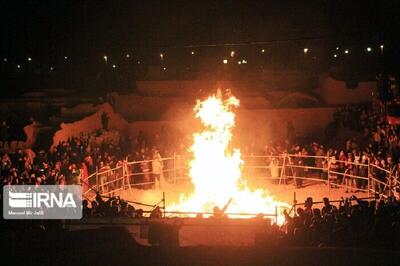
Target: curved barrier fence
[(284, 169)]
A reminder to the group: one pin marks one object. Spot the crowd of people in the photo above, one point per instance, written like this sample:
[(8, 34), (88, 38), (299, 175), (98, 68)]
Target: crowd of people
[(377, 145), (61, 165), (115, 206), (70, 161), (353, 221)]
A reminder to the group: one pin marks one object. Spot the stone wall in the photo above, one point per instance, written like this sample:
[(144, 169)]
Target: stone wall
[(271, 124), (91, 123), (334, 92), (136, 107), (252, 126), (78, 110), (31, 131)]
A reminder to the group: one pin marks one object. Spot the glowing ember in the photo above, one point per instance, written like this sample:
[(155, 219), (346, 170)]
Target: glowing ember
[(215, 169)]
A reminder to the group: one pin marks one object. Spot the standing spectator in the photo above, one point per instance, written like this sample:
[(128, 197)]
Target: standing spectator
[(363, 172), (157, 169), (325, 167), (320, 153), (119, 174), (308, 161), (384, 173), (333, 170), (348, 179), (396, 180), (4, 130), (136, 176), (104, 121), (145, 167), (356, 172), (376, 176), (274, 167), (342, 166), (298, 170), (103, 176), (328, 208)]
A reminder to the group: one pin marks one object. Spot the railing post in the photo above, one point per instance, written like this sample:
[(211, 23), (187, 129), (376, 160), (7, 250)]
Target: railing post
[(329, 174), (368, 183), (123, 177), (282, 170), (294, 204), (125, 173), (163, 194), (276, 214), (97, 179)]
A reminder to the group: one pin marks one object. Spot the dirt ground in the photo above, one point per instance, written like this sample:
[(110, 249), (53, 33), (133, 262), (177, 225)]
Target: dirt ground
[(281, 192), (316, 190)]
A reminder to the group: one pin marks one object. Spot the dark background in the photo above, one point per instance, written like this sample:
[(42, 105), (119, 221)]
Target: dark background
[(84, 31), (85, 27)]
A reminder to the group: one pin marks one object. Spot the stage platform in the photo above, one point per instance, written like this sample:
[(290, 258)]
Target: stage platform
[(208, 231), (182, 231)]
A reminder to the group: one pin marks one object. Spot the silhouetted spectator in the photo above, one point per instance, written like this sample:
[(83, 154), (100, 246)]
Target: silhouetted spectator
[(104, 120)]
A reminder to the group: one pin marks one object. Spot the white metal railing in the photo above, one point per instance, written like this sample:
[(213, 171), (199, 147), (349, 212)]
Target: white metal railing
[(284, 167)]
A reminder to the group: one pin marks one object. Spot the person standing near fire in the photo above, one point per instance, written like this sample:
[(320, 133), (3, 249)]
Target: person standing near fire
[(298, 170), (157, 169), (145, 167), (104, 121), (274, 168)]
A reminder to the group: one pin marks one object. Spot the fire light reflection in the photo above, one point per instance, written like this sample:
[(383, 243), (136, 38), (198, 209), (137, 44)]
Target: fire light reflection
[(216, 168)]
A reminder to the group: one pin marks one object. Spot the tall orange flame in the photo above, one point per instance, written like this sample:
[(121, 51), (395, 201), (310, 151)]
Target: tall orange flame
[(215, 169)]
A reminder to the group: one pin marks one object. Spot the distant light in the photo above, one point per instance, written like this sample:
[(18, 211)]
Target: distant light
[(369, 49), (18, 66), (162, 56), (164, 68), (51, 68), (192, 52), (262, 50), (305, 50), (65, 57), (5, 59), (346, 51), (128, 55), (232, 53), (138, 62), (114, 66), (335, 55), (239, 62), (244, 61), (337, 48), (105, 59), (225, 61), (381, 46), (29, 59)]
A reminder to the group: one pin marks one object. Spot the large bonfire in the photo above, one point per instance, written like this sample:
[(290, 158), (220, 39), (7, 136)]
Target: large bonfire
[(216, 168)]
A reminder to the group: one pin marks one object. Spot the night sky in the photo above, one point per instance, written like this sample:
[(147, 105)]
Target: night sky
[(85, 27)]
